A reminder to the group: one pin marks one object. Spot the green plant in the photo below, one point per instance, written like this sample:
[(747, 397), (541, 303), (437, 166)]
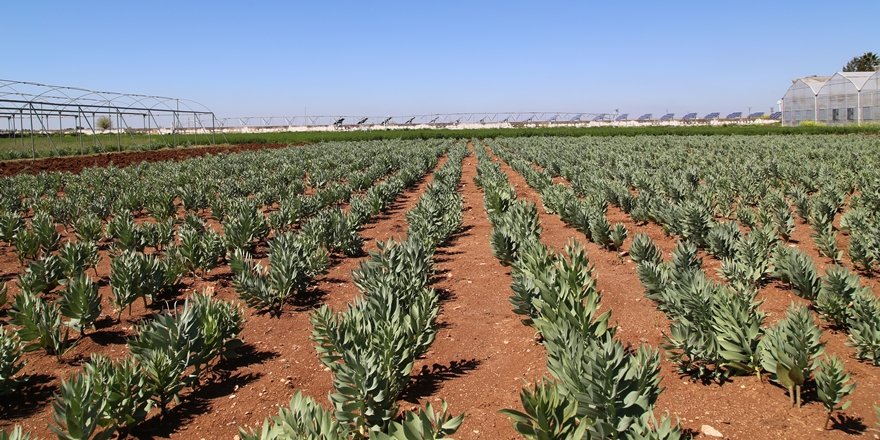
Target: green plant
[(40, 325), (199, 251), (427, 424), (832, 385), (303, 418), (10, 224), (516, 226), (789, 350), (864, 326), (796, 268), (826, 242), (293, 262), (162, 348), (618, 236), (43, 227), (123, 387), (694, 220), (306, 419), (722, 239), (600, 232), (549, 413), (16, 434), (104, 123), (370, 349), (737, 321), (42, 275), (244, 224), (126, 235), (534, 261), (27, 244), (839, 288), (80, 409), (692, 342), (861, 250), (81, 303), (219, 325), (10, 360), (643, 250), (134, 275), (76, 257), (88, 227)]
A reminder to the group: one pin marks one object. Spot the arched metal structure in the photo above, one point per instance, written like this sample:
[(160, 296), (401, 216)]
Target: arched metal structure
[(35, 111), (843, 98)]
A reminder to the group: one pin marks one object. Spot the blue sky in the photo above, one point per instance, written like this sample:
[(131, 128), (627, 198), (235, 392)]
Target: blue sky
[(370, 57)]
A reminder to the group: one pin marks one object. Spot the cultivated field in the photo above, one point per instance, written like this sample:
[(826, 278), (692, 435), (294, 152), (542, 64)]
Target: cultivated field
[(552, 287)]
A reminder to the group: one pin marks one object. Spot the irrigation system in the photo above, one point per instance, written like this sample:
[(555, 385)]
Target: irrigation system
[(64, 118), (468, 120), (37, 112)]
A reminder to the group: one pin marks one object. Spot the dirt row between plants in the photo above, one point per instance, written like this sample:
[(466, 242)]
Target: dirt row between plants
[(75, 164), (278, 357), (294, 364), (483, 354), (742, 408)]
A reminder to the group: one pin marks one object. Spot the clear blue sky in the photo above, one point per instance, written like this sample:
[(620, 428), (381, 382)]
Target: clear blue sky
[(370, 57)]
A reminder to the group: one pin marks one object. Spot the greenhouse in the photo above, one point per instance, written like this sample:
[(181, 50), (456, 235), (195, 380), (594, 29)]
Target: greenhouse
[(844, 98)]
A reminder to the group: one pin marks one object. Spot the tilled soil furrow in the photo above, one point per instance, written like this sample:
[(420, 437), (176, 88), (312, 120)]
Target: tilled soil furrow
[(295, 365), (279, 357), (734, 408), (483, 354)]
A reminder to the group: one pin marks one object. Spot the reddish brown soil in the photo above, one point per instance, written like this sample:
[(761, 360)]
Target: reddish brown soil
[(75, 164), (278, 359), (483, 354), (742, 408)]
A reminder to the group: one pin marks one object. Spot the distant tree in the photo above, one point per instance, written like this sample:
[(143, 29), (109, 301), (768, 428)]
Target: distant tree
[(868, 62), (104, 123)]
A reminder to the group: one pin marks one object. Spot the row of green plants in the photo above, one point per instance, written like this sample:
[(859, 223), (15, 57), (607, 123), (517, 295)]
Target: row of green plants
[(816, 188), (295, 258), (599, 388), (136, 275), (15, 148), (371, 347), (717, 330), (683, 184), (172, 352), (148, 259)]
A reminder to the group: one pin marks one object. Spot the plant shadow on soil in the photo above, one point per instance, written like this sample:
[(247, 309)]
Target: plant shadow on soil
[(311, 299), (428, 380), (848, 424), (224, 383), (34, 393)]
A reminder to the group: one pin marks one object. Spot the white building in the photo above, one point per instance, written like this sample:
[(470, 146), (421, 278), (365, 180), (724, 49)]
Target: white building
[(844, 98)]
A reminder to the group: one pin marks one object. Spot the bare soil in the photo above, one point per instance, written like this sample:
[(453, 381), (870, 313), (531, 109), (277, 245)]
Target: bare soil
[(483, 354), (743, 407), (75, 164)]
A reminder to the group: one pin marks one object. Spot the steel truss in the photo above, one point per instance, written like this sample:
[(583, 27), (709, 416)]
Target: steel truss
[(33, 110)]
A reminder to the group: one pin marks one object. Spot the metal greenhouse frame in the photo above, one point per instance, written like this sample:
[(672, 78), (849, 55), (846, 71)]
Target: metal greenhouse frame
[(843, 98), (40, 111)]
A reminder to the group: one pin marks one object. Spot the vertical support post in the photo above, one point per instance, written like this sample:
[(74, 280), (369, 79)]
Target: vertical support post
[(118, 132), (859, 108), (213, 137), (21, 127), (79, 133), (33, 140), (149, 132), (175, 121)]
